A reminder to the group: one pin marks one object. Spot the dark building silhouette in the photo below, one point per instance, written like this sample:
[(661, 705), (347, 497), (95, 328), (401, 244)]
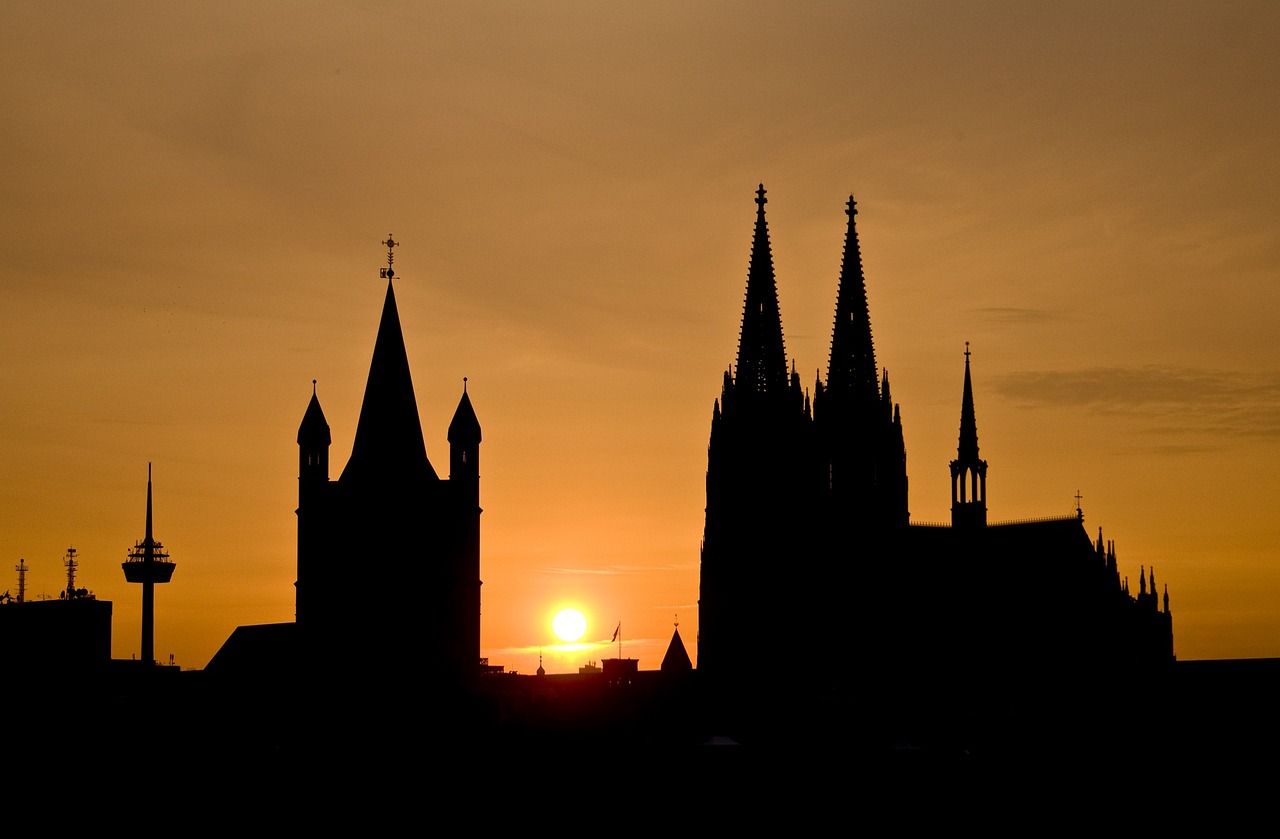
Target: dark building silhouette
[(807, 510), (390, 509), (54, 639)]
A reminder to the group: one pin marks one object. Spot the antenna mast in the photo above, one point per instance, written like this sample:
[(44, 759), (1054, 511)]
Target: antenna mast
[(71, 564), (21, 568)]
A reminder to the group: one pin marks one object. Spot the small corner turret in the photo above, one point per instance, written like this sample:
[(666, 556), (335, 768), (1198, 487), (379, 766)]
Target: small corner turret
[(314, 439), (464, 440)]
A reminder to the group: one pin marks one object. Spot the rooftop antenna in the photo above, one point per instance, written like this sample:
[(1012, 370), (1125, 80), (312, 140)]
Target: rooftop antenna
[(21, 568), (389, 272), (148, 563)]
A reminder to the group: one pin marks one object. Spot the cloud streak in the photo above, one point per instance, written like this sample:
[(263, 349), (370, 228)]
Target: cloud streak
[(1169, 400), (1014, 315)]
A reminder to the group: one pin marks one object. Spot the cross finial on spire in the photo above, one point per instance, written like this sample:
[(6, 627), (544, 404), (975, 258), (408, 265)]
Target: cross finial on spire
[(389, 272), (851, 208), (760, 199), (966, 352), (1078, 498)]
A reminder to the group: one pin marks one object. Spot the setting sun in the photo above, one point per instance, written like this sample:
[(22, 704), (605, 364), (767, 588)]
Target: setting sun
[(569, 625)]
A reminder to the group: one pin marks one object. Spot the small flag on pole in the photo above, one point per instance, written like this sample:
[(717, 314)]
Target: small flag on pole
[(615, 633)]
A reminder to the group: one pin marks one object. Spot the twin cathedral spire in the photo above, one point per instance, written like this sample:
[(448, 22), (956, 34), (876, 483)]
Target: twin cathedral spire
[(856, 421)]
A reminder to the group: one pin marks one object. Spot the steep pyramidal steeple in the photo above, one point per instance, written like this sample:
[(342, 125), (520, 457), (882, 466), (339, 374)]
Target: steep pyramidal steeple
[(968, 471), (968, 448), (762, 359), (853, 357), (388, 440)]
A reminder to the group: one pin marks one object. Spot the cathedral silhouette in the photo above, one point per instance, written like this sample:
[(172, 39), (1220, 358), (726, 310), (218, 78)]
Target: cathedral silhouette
[(807, 512)]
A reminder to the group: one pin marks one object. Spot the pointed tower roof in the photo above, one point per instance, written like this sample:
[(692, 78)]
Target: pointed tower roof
[(853, 356), (388, 443), (677, 657), (464, 427), (314, 429), (762, 360), (968, 450)]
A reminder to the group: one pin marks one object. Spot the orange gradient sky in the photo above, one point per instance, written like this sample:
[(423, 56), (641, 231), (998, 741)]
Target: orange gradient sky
[(193, 197)]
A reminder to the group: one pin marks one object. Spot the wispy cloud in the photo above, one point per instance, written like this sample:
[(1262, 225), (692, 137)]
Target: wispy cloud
[(1171, 400), (1013, 315)]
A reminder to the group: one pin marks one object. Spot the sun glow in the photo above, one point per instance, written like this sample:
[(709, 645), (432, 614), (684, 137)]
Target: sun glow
[(569, 625)]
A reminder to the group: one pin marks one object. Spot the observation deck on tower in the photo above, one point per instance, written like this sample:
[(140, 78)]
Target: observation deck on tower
[(148, 563)]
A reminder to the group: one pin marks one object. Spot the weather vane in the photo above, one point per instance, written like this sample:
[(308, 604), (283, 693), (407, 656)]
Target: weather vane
[(389, 272)]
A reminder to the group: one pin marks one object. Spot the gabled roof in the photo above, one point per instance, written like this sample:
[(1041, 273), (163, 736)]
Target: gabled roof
[(388, 443)]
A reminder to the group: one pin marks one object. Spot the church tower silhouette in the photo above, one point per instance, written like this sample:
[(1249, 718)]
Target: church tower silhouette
[(390, 510), (758, 454)]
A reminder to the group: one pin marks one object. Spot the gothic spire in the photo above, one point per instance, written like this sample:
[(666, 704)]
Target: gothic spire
[(968, 471), (388, 441), (762, 360), (968, 449), (853, 356)]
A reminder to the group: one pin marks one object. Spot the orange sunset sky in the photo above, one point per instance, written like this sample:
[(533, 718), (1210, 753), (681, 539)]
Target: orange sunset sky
[(193, 197)]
